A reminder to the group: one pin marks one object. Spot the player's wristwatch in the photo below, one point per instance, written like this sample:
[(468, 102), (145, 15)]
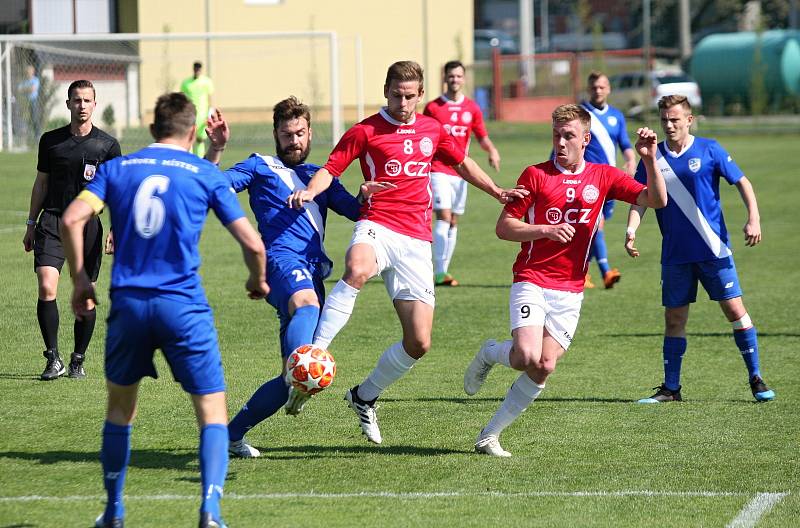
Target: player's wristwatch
[(30, 222)]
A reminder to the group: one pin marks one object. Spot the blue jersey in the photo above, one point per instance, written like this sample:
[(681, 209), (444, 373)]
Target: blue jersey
[(608, 133), (285, 230), (692, 225), (159, 198)]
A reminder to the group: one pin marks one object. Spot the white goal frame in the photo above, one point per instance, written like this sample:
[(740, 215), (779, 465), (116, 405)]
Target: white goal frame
[(7, 43)]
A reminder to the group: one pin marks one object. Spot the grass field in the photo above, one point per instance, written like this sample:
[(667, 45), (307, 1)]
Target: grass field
[(584, 454)]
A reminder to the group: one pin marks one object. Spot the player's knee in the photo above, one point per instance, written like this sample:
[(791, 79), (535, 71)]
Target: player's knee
[(416, 347), (47, 292), (524, 357)]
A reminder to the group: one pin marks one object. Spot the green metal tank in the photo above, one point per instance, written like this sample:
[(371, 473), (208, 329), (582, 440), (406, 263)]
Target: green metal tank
[(723, 64)]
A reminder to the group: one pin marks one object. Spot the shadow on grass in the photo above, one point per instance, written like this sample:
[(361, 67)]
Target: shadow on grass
[(17, 376), (140, 458), (467, 400), (318, 451)]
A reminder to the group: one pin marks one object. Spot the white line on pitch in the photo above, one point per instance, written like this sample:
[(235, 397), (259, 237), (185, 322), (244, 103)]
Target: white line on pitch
[(405, 495), (759, 506)]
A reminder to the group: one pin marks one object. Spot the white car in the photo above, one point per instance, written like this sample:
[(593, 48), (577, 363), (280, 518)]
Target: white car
[(632, 91)]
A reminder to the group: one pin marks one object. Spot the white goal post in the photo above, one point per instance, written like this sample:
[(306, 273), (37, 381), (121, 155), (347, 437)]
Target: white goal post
[(251, 72)]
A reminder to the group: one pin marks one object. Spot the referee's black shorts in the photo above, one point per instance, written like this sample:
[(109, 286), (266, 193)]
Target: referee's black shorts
[(48, 251)]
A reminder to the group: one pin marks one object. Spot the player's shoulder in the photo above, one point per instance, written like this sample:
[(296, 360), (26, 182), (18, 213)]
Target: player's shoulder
[(55, 136), (99, 133)]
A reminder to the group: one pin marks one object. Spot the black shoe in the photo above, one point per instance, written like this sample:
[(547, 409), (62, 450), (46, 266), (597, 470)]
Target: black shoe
[(760, 390), (76, 370), (663, 394), (207, 521), (116, 522), (54, 367)]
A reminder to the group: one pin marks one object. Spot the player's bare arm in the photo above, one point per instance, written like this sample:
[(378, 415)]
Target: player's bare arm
[(254, 257), (218, 134), (472, 173), (630, 161), (321, 180), (655, 195), (369, 188), (752, 228), (38, 193), (73, 222), (634, 219), (494, 156), (515, 230)]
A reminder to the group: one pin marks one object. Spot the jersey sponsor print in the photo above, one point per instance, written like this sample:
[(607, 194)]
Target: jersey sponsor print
[(460, 119), (400, 153), (559, 196)]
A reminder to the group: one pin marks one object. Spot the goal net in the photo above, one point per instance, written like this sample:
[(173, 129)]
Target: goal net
[(250, 73)]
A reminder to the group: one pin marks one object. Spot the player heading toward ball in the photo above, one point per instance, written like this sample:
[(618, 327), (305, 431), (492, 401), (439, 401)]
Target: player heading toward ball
[(159, 198), (555, 224), (393, 236), (695, 243)]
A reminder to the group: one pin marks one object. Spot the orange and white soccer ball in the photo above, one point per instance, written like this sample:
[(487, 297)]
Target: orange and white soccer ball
[(310, 369)]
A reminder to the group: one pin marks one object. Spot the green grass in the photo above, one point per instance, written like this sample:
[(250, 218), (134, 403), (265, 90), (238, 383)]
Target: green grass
[(712, 454)]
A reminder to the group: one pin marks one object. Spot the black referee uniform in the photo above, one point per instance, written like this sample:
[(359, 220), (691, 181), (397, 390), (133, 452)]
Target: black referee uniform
[(70, 162)]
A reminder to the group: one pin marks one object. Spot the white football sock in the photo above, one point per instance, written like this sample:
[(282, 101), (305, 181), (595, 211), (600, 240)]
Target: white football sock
[(393, 363), (519, 396), (335, 313), (452, 235), (440, 230), (499, 353)]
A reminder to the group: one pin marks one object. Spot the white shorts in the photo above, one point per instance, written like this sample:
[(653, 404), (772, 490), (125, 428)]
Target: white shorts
[(404, 262), (558, 311), (449, 192)]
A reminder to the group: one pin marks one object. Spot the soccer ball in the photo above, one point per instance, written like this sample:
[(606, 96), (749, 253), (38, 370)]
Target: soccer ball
[(310, 369)]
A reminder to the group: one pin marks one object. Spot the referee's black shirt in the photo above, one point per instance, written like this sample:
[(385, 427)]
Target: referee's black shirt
[(71, 162)]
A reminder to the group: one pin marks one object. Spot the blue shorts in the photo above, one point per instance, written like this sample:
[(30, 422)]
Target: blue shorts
[(608, 209), (140, 322), (679, 281), (287, 275)]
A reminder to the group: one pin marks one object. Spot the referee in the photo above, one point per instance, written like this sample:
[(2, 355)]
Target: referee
[(68, 159)]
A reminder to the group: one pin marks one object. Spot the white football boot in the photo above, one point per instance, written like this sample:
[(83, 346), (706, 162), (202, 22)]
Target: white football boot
[(241, 449), (490, 445), (478, 369), (366, 415), (297, 399)]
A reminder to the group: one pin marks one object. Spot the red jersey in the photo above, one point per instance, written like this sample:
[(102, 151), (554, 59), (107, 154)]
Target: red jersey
[(558, 196), (400, 153), (460, 119)]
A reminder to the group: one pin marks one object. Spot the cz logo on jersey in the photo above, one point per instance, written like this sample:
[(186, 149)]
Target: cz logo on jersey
[(570, 216), (409, 168), (456, 130)]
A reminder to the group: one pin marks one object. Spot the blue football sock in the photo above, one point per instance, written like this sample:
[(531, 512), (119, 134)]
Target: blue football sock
[(600, 253), (265, 402), (213, 466), (300, 330), (114, 456), (674, 348), (747, 343)]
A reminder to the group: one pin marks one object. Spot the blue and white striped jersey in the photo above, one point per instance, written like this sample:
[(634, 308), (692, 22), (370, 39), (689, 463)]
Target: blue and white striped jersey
[(284, 229), (608, 133), (692, 225)]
